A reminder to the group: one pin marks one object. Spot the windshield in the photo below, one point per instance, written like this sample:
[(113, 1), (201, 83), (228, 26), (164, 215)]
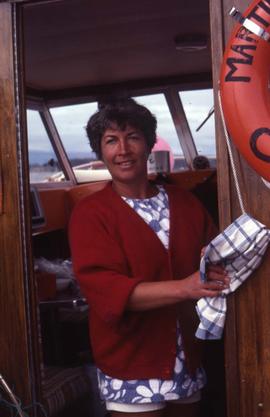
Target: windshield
[(71, 120)]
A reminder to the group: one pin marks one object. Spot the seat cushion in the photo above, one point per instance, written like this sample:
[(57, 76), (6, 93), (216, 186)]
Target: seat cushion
[(63, 386)]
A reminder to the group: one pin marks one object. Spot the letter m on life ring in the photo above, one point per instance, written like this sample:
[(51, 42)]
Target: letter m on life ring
[(232, 62)]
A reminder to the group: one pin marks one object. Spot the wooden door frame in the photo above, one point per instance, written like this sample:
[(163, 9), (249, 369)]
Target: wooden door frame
[(18, 330), (225, 215), (247, 335)]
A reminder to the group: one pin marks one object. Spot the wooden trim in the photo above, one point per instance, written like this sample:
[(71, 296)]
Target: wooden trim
[(52, 185), (57, 145), (217, 45), (224, 200), (55, 209), (15, 332), (30, 2), (248, 316), (73, 95), (1, 191), (36, 102), (31, 302)]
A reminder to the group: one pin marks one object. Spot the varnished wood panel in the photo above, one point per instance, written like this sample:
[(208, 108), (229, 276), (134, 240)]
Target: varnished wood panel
[(248, 319), (55, 208), (15, 360), (224, 200)]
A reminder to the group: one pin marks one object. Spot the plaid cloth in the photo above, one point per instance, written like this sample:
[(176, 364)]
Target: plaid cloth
[(240, 249)]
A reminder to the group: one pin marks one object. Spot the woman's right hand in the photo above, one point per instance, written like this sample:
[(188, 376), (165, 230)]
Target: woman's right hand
[(194, 288)]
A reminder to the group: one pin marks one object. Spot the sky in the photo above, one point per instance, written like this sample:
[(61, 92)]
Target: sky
[(71, 121)]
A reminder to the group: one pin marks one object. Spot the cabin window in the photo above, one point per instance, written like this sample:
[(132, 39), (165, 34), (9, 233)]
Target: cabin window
[(198, 107), (43, 162), (157, 104), (70, 122)]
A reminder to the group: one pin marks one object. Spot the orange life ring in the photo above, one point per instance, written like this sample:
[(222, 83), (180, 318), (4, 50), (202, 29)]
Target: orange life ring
[(244, 87)]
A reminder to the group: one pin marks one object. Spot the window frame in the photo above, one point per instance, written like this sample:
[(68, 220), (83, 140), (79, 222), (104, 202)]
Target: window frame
[(175, 107)]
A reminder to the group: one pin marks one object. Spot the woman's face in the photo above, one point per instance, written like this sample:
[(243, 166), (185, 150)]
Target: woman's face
[(125, 154)]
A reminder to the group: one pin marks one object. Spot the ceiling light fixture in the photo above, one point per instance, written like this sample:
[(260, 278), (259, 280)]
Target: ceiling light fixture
[(191, 43)]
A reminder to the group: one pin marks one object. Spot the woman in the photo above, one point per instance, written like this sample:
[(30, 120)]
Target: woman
[(136, 248)]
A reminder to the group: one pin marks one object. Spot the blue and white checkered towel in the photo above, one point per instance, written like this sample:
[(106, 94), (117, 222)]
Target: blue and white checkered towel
[(240, 249)]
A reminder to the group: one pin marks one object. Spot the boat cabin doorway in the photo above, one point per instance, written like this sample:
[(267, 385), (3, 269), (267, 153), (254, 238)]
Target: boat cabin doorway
[(60, 59)]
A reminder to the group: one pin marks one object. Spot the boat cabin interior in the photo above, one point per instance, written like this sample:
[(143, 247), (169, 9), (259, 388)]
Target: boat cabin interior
[(70, 55)]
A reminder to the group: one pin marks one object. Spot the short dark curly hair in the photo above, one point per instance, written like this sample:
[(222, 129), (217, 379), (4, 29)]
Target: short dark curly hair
[(121, 112)]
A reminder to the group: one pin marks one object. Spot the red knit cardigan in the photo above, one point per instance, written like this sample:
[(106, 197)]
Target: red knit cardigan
[(113, 250)]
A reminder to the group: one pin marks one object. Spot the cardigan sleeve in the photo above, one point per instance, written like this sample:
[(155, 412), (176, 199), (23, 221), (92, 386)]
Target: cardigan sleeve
[(99, 263)]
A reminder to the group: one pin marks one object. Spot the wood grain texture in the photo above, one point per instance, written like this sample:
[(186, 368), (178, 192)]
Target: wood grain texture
[(15, 358), (248, 320), (224, 201)]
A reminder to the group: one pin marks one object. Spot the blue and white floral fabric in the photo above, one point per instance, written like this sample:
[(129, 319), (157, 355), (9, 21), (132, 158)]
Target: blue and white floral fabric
[(155, 211)]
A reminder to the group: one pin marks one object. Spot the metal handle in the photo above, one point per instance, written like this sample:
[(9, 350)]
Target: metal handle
[(249, 24)]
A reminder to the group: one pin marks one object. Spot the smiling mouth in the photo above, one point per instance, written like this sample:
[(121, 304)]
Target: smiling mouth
[(126, 164)]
